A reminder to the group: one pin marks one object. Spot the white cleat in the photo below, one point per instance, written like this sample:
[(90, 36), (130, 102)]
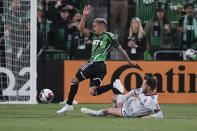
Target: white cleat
[(117, 84), (87, 111), (66, 108)]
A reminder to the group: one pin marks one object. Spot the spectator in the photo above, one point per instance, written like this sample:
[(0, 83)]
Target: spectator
[(136, 43), (188, 27), (181, 9), (158, 32), (52, 6), (81, 46), (44, 29), (74, 19), (64, 15), (118, 15), (60, 31), (75, 4), (74, 16)]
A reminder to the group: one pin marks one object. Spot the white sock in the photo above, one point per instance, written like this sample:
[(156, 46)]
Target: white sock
[(99, 112), (92, 112)]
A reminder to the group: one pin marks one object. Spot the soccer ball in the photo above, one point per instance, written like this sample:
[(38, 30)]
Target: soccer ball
[(46, 95), (190, 53)]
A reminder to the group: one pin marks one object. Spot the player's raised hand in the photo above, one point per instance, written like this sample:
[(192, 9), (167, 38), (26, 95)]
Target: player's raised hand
[(87, 10)]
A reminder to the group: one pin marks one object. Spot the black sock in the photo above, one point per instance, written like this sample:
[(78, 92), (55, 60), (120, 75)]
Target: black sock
[(102, 89), (72, 93), (115, 91)]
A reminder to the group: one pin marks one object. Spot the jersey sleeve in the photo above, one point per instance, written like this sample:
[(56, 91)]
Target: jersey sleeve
[(157, 108), (113, 40), (138, 91), (131, 93), (115, 43)]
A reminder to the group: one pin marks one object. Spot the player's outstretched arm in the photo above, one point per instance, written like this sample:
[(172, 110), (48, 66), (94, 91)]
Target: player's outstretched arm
[(131, 93), (82, 28), (124, 54)]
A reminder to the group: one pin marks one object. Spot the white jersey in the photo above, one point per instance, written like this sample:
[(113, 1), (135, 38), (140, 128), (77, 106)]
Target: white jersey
[(139, 106)]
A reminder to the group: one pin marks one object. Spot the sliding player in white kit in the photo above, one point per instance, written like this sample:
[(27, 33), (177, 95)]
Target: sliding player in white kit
[(129, 106)]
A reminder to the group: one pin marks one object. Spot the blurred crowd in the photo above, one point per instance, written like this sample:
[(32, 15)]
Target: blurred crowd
[(61, 22), (58, 29), (162, 39)]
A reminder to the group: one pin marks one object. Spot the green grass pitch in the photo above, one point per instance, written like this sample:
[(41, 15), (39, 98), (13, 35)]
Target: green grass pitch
[(42, 117)]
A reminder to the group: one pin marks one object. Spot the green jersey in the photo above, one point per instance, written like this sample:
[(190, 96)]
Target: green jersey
[(101, 45)]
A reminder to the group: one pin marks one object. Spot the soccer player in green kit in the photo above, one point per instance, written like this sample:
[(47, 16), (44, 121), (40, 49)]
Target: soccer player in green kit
[(95, 68)]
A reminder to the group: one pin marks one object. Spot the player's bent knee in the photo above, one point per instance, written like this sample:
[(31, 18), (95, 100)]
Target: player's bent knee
[(107, 110), (113, 111), (75, 80)]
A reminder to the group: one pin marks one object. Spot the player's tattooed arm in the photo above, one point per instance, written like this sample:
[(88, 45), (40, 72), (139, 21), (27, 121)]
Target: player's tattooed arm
[(124, 54)]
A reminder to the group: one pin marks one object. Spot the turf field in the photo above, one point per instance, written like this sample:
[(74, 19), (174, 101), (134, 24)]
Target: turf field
[(42, 117)]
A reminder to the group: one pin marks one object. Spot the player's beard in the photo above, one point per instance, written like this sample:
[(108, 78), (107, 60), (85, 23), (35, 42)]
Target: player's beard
[(145, 90)]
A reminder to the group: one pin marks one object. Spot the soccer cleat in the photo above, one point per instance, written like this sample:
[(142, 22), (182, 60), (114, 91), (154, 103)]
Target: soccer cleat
[(117, 85), (66, 108), (88, 111)]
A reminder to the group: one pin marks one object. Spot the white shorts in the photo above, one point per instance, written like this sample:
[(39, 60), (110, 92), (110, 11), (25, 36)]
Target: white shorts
[(126, 105), (120, 98)]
